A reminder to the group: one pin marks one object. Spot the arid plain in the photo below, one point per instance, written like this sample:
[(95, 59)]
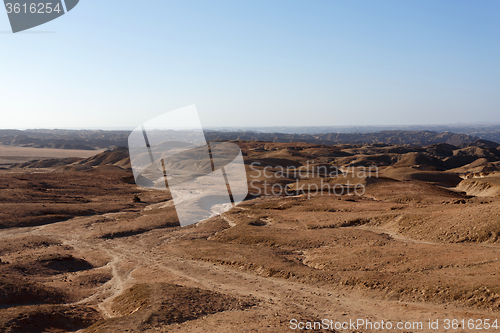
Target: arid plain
[(84, 249)]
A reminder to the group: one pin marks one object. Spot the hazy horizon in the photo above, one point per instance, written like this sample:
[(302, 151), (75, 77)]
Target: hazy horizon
[(295, 129)]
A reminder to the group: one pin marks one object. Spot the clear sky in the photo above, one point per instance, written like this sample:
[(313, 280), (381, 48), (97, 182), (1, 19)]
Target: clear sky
[(118, 63)]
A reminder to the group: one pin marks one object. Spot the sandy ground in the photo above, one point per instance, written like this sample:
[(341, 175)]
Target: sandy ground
[(15, 154), (80, 253), (154, 257)]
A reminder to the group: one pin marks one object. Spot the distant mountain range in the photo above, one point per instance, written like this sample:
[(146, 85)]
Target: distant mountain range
[(99, 139), (484, 131), (414, 138), (64, 139)]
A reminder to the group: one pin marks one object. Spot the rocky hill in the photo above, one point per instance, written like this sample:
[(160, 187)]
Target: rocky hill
[(85, 249), (414, 138), (64, 139), (97, 139)]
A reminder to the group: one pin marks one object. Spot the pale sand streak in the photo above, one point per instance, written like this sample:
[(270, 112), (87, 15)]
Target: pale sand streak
[(14, 154)]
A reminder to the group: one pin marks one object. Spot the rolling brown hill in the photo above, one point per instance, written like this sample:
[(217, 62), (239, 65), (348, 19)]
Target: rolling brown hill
[(83, 248), (98, 139)]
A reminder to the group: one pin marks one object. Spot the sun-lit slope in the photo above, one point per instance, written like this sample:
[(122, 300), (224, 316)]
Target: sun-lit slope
[(116, 254), (370, 245), (481, 185), (156, 305)]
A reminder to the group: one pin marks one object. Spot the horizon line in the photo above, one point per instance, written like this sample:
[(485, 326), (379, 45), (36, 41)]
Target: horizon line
[(126, 128)]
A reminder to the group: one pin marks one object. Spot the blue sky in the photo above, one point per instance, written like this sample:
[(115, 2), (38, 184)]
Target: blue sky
[(255, 63)]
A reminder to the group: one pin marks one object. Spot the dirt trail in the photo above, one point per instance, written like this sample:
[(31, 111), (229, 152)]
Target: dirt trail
[(286, 298), (389, 230), (130, 259), (123, 261)]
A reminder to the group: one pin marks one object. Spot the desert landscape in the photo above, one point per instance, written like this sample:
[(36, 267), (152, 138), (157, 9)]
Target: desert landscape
[(250, 167), (402, 230)]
